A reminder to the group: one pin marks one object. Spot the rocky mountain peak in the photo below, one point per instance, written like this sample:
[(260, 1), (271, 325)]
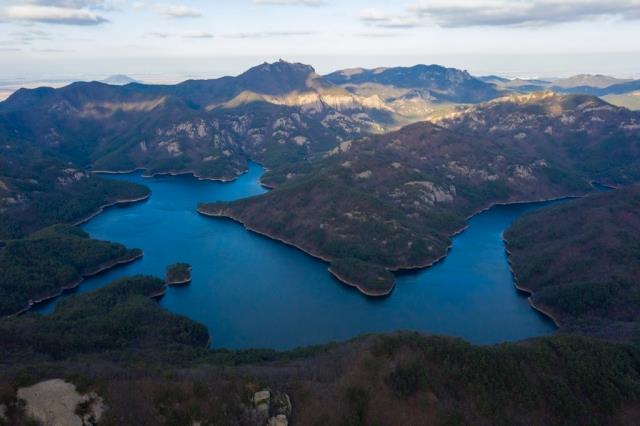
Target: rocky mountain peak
[(281, 67), (278, 78)]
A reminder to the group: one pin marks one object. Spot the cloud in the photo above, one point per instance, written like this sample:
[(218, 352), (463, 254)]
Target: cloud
[(375, 35), (464, 13), (383, 19), (47, 50), (269, 34), (176, 11), (29, 35), (312, 3), (184, 35), (53, 15), (196, 34), (78, 4)]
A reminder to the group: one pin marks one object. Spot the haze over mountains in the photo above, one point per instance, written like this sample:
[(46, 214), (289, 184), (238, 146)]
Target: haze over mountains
[(597, 85)]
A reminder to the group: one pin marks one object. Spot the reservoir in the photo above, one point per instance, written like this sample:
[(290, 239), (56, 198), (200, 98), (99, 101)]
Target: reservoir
[(253, 292)]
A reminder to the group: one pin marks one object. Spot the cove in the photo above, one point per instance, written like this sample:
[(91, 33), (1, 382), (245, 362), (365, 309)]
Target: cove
[(253, 292)]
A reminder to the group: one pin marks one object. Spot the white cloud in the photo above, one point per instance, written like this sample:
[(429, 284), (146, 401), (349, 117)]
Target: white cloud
[(463, 13), (29, 35), (176, 10), (196, 34), (269, 34), (289, 2), (53, 15), (49, 50), (79, 4), (375, 34), (384, 19), (184, 35)]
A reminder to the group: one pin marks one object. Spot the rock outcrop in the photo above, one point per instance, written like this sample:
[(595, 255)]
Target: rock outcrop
[(272, 408), (56, 402)]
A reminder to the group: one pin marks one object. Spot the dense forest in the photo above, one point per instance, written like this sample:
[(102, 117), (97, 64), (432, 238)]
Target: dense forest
[(38, 191), (403, 378), (47, 261), (119, 321), (581, 260)]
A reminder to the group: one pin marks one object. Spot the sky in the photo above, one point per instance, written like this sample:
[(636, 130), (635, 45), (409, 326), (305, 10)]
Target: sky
[(173, 40)]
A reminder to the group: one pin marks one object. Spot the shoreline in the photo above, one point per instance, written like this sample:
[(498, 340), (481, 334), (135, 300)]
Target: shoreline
[(75, 284), (181, 282), (172, 173), (102, 208), (288, 243), (357, 286), (160, 293), (466, 226), (528, 291), (263, 233), (409, 268)]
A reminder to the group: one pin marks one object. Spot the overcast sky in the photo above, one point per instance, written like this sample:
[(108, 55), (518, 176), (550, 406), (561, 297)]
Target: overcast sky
[(178, 39)]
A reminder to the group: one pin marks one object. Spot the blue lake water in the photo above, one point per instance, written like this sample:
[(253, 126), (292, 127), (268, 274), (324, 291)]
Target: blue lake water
[(253, 292)]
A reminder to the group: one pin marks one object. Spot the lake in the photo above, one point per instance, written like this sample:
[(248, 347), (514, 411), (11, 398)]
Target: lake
[(253, 292)]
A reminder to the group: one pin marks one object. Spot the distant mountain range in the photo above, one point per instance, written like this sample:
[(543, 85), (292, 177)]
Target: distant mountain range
[(271, 113), (277, 114), (588, 84), (119, 80), (207, 127)]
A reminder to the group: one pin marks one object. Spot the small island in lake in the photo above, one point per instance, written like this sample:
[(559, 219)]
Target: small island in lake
[(178, 273)]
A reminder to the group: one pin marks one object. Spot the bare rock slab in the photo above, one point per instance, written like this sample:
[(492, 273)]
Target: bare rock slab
[(55, 402)]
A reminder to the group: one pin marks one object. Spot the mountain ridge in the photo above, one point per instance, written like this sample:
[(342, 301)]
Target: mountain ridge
[(441, 83)]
